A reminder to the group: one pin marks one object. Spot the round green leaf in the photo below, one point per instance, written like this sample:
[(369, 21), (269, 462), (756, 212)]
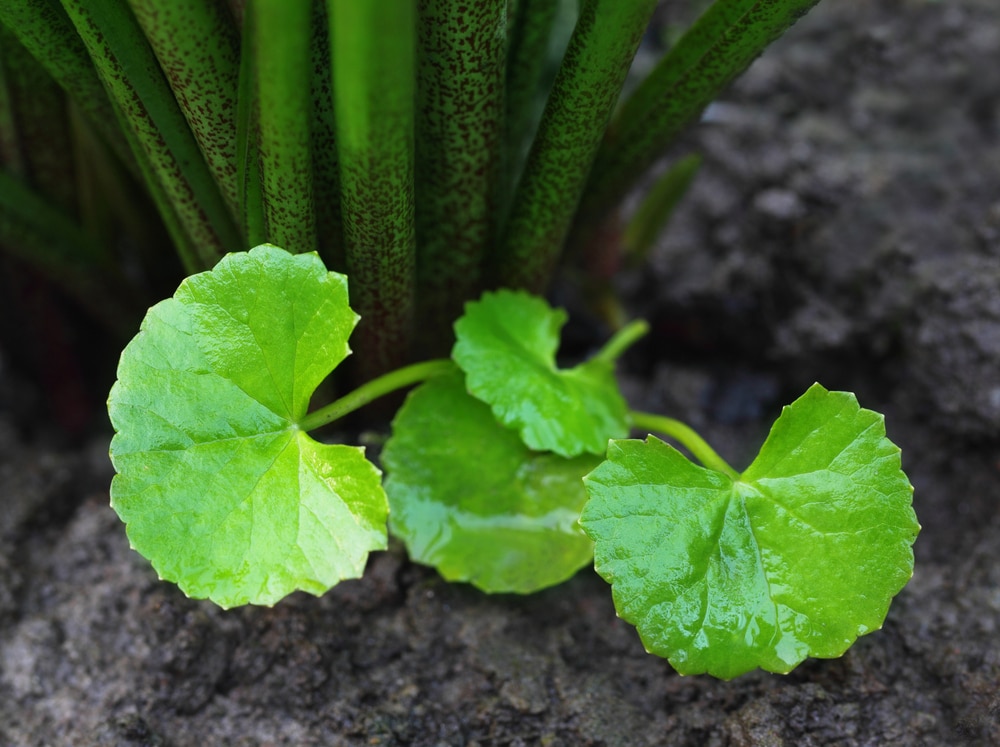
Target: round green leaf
[(468, 498), (798, 557), (506, 343), (218, 486)]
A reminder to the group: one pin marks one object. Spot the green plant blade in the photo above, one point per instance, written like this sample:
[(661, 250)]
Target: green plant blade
[(61, 242), (40, 125), (283, 54), (157, 127), (717, 48), (42, 236), (45, 30), (325, 163), (218, 485), (373, 56), (580, 105), (530, 25), (506, 344), (459, 146), (197, 45), (797, 557), (468, 498), (250, 191), (657, 207)]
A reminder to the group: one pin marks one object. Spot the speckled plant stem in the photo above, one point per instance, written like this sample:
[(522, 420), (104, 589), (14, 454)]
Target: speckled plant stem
[(156, 129), (38, 197), (44, 29), (326, 170), (250, 191), (197, 45), (34, 128), (583, 97), (529, 31), (717, 48), (282, 52), (373, 55), (459, 147)]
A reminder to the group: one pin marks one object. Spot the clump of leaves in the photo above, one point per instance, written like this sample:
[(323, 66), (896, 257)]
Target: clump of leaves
[(430, 150), (503, 470)]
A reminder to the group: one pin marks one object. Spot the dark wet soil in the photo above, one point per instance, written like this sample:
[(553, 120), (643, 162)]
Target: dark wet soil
[(844, 228)]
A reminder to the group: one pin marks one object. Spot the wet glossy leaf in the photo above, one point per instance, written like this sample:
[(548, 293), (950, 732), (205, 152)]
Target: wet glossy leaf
[(796, 558), (506, 344), (468, 498), (216, 483)]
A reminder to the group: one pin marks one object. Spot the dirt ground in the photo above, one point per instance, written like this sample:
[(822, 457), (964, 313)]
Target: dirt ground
[(844, 228)]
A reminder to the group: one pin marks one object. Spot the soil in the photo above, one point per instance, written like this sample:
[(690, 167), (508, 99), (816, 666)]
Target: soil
[(845, 227)]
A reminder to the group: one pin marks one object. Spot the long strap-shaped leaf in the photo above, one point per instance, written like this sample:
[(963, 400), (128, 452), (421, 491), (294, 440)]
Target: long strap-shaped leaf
[(719, 46), (322, 136), (37, 180), (250, 191), (197, 45), (373, 51), (284, 72), (12, 156), (580, 105), (135, 81), (529, 34), (44, 29), (41, 128), (66, 243), (44, 237), (460, 133)]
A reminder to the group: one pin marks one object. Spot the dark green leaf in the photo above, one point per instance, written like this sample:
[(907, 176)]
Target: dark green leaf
[(468, 498), (717, 48), (169, 157), (460, 130), (580, 104), (372, 46), (283, 58)]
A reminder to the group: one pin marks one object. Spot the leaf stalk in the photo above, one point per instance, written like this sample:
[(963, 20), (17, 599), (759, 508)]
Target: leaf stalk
[(372, 390), (622, 340), (686, 436)]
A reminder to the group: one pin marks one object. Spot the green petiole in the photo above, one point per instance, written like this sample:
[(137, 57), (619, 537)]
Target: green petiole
[(622, 340), (372, 390), (687, 436), (419, 372)]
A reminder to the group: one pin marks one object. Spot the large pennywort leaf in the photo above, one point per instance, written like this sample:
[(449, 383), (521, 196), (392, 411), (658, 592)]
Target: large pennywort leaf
[(470, 499), (217, 484), (798, 557), (506, 343)]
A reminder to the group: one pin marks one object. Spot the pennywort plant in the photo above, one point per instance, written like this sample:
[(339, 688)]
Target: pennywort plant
[(502, 470), (447, 156)]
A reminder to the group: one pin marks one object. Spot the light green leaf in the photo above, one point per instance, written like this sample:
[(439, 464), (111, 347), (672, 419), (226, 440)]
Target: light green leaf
[(218, 486), (506, 344), (468, 498), (798, 557)]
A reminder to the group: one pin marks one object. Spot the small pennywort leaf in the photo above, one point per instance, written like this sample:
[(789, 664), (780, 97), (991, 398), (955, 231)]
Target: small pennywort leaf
[(506, 343), (218, 485), (469, 498), (797, 557)]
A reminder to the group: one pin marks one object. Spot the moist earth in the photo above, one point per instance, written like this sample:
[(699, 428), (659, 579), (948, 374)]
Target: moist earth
[(844, 227)]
